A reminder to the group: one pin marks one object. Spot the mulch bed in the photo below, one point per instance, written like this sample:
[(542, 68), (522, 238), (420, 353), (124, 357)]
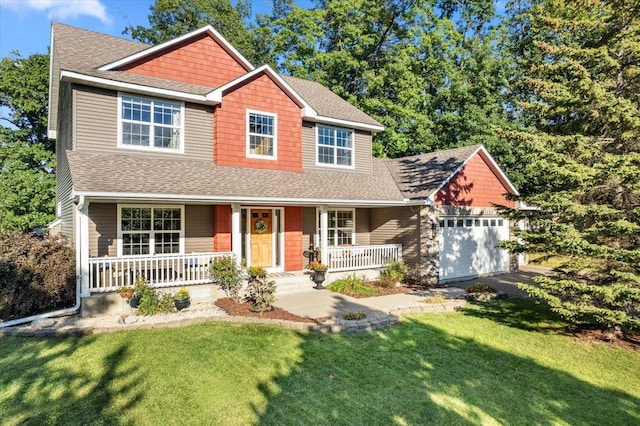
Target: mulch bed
[(242, 310), (596, 334)]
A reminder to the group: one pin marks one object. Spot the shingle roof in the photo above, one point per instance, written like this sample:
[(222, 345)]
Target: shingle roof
[(419, 176), (129, 174), (327, 103)]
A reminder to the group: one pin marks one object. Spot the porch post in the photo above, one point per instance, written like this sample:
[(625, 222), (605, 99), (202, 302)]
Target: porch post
[(236, 233), (82, 246), (324, 235), (429, 269)]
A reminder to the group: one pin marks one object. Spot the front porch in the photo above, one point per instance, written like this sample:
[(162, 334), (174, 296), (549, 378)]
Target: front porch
[(108, 273)]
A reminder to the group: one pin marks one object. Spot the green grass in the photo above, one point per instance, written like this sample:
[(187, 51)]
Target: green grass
[(494, 363)]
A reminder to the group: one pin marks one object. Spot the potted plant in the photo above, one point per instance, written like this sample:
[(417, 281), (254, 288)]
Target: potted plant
[(125, 292), (139, 288), (256, 271), (318, 275), (181, 299)]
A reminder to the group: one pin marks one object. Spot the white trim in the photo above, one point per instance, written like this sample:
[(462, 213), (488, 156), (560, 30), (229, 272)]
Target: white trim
[(307, 109), (236, 232), (52, 134), (274, 155), (336, 210), (344, 123), (55, 223), (430, 198), (353, 148), (181, 237), (152, 124), (150, 51), (136, 88), (134, 197)]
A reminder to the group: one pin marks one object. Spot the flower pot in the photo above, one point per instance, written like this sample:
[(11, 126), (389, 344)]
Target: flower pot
[(182, 303), (134, 301), (318, 277), (127, 295)]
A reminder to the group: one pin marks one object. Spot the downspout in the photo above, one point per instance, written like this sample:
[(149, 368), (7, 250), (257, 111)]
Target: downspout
[(59, 312)]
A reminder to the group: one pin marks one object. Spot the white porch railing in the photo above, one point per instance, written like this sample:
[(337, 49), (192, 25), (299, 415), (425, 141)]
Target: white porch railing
[(349, 258), (162, 270)]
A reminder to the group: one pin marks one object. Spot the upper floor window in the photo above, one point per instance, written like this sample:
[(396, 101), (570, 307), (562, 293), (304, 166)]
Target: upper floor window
[(150, 123), (335, 146), (261, 135)]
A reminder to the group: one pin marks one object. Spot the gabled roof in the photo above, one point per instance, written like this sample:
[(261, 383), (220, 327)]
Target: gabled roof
[(129, 177), (176, 41), (420, 177)]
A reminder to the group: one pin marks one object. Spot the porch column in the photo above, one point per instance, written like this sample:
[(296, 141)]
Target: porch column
[(324, 235), (82, 246), (236, 233), (429, 269)]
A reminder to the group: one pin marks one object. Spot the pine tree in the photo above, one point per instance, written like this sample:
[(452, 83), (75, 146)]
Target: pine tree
[(579, 95)]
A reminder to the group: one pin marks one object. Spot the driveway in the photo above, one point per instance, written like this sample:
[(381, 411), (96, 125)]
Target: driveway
[(507, 282)]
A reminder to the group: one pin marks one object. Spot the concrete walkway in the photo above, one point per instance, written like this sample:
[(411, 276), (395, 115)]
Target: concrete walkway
[(506, 283)]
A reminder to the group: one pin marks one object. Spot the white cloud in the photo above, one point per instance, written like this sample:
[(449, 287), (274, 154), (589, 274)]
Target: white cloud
[(61, 9)]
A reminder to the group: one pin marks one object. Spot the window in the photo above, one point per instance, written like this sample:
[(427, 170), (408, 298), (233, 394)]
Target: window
[(340, 228), (150, 230), (261, 135), (150, 123), (335, 146)]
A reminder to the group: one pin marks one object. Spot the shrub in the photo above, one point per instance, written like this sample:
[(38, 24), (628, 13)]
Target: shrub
[(354, 316), (481, 288), (256, 271), (261, 294), (436, 299), (37, 274), (353, 285), (151, 302), (385, 282), (395, 271), (228, 275)]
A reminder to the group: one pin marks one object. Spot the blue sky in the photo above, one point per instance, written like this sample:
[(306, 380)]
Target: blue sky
[(25, 25)]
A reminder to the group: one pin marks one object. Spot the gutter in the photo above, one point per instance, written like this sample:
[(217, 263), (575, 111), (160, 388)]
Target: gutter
[(59, 312)]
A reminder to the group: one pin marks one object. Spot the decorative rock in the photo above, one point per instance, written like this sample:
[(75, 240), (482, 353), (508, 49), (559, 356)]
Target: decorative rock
[(128, 319), (44, 323)]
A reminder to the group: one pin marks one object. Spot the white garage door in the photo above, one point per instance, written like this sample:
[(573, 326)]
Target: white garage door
[(469, 246)]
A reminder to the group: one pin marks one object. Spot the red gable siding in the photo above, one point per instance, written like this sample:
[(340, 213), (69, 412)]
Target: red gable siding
[(198, 61), (475, 185), (230, 126), (222, 228), (293, 238)]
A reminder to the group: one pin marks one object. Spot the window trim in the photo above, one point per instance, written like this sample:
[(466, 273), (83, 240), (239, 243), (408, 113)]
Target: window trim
[(335, 147), (332, 243), (151, 148), (151, 237), (248, 135)]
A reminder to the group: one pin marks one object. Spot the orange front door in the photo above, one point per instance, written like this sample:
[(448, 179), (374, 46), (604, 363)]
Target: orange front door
[(261, 238)]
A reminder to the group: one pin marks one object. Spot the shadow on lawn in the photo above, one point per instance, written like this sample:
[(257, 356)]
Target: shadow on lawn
[(415, 373), (37, 390)]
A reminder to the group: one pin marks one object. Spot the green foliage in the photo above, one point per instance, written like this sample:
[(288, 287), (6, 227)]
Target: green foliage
[(27, 159), (354, 316), (172, 18), (353, 285), (579, 96), (228, 276), (37, 274), (481, 288), (256, 271), (181, 294), (152, 302), (395, 271), (436, 299), (261, 294)]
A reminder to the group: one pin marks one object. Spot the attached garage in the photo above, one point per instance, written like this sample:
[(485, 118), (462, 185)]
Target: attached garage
[(469, 247)]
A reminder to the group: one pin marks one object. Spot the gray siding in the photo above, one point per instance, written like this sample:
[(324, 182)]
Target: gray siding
[(362, 148), (103, 230), (198, 228), (308, 229), (362, 227), (395, 225), (64, 142), (97, 126)]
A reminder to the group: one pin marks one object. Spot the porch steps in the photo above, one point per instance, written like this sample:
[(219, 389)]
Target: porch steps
[(291, 282)]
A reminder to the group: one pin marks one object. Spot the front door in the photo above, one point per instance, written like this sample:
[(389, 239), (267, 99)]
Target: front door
[(261, 237)]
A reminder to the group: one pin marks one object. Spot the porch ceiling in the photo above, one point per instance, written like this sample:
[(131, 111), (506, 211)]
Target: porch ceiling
[(137, 177)]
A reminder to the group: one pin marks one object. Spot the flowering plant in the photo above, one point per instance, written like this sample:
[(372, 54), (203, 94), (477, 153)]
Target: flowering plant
[(183, 293), (256, 271), (318, 266)]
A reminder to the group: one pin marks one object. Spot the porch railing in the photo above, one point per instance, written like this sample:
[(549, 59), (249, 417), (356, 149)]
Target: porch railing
[(348, 258), (163, 270)]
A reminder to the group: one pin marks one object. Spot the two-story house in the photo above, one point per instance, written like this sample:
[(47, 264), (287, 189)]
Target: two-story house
[(172, 155)]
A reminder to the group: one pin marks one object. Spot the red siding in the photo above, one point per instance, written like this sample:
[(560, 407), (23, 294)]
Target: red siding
[(475, 185), (230, 126), (198, 61), (222, 228), (293, 239)]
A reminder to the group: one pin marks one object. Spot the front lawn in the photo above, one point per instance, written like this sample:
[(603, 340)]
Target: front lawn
[(495, 363)]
